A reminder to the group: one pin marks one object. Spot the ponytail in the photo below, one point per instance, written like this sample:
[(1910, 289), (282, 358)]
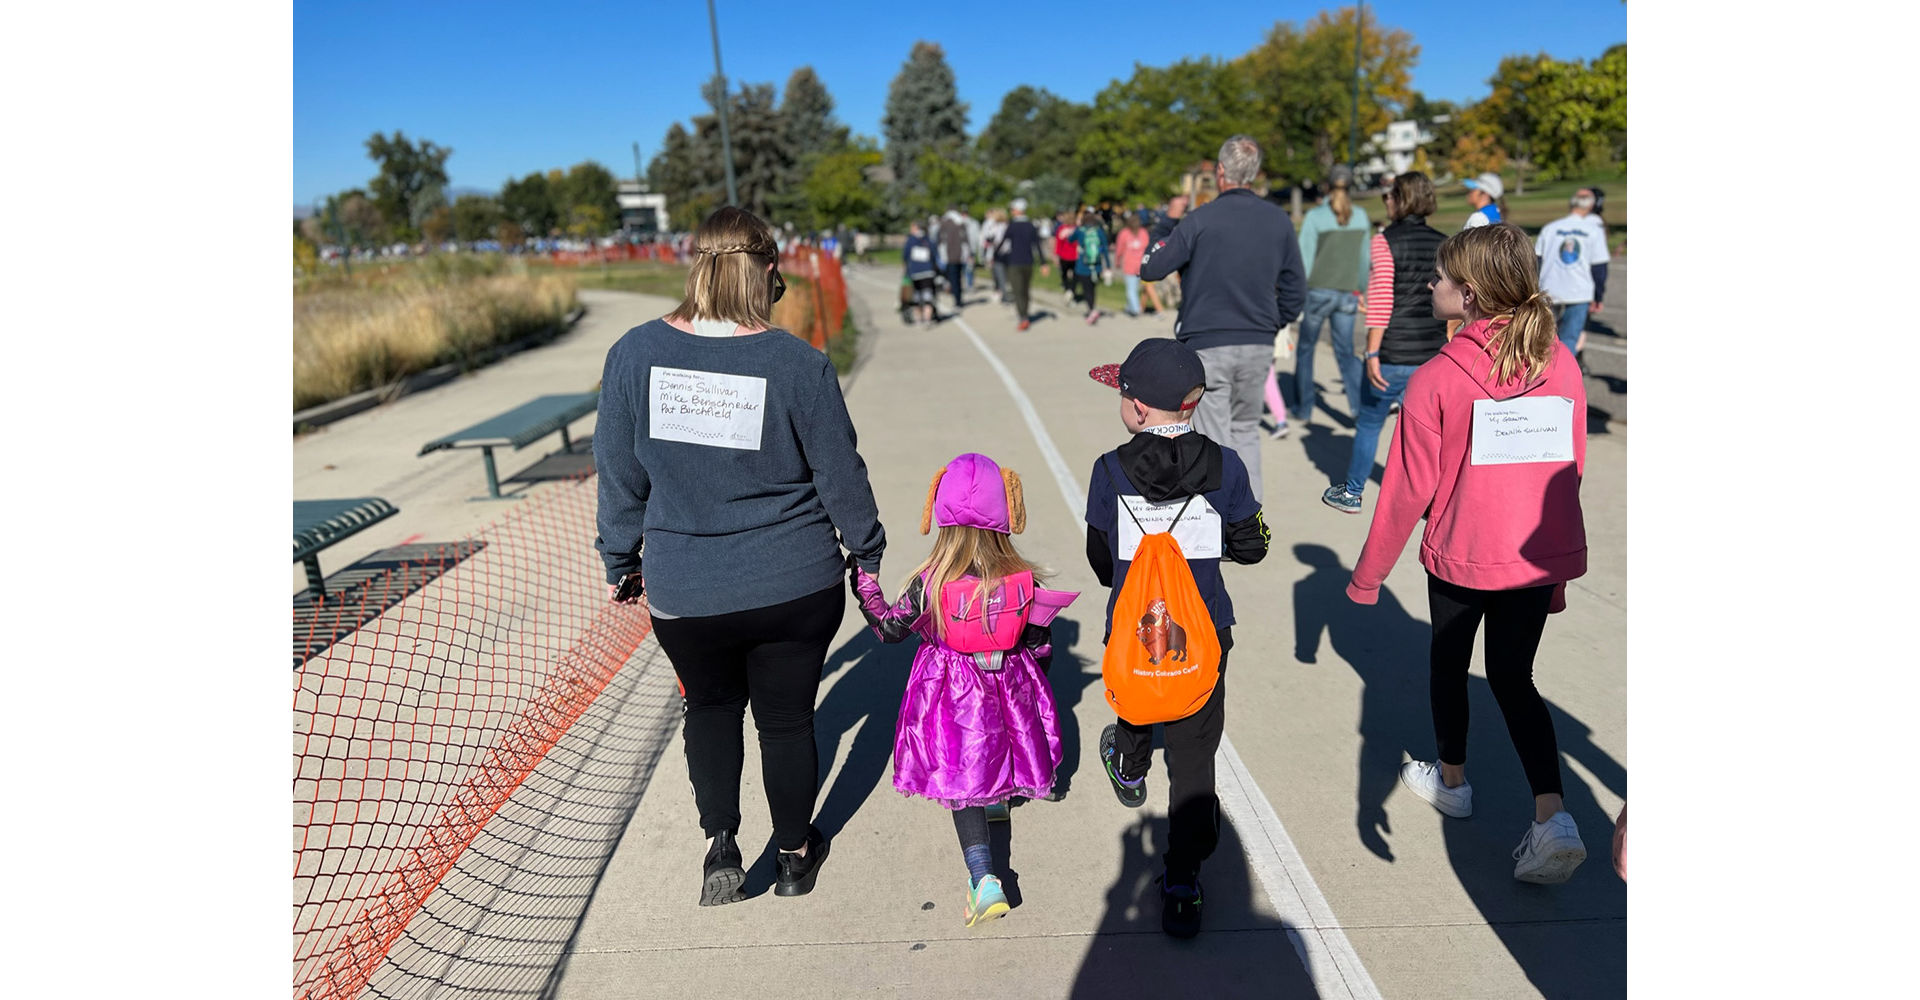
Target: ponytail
[(1523, 344), (1341, 202), (1497, 263)]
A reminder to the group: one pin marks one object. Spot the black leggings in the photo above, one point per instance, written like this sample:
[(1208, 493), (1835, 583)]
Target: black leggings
[(1084, 290), (769, 657), (971, 825), (1515, 619), (1193, 809)]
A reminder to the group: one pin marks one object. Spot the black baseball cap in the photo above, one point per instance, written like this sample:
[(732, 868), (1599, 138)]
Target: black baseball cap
[(1160, 372)]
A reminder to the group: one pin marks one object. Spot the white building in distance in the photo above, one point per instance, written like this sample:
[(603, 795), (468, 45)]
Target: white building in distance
[(642, 214), (1391, 152)]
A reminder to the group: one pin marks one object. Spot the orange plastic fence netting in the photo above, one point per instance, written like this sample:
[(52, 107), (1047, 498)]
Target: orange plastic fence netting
[(411, 732), (829, 286), (619, 251)]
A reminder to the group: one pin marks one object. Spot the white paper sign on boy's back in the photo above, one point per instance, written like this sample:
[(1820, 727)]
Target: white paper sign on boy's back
[(725, 411), (1198, 530), (1522, 429)]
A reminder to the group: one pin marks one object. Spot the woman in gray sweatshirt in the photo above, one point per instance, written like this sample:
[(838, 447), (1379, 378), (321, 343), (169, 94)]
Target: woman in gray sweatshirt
[(727, 459)]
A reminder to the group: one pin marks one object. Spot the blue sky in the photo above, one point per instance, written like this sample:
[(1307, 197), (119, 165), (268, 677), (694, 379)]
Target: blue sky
[(515, 88)]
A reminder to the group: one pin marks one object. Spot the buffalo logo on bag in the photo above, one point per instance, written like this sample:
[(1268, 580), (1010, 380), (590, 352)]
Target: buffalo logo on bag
[(1161, 634)]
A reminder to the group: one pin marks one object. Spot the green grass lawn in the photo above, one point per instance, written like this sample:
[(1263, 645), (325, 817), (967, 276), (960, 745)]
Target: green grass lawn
[(645, 276), (1543, 203)]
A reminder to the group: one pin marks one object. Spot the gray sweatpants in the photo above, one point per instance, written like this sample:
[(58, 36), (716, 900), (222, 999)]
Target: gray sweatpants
[(1230, 411)]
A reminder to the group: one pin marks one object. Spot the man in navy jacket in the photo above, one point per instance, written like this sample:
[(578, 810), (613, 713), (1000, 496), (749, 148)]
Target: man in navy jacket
[(1241, 281)]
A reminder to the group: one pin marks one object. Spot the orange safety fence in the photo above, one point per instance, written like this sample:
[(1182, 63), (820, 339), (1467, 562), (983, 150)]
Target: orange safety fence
[(411, 731), (620, 251), (822, 269)]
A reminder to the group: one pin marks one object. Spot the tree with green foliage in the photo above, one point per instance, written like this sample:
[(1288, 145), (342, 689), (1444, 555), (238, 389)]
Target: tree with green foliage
[(474, 217), (1303, 80), (838, 191), (589, 200), (809, 134), (1511, 115), (1050, 193), (529, 201), (412, 180), (1035, 132), (1147, 130), (962, 179), (924, 114)]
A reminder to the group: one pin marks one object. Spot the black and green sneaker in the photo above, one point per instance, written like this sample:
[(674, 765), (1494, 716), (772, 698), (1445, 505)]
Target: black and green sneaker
[(1132, 794), (1180, 905)]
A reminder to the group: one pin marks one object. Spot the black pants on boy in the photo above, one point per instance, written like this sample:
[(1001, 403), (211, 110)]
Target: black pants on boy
[(1084, 289), (1515, 620), (1193, 814), (770, 658)]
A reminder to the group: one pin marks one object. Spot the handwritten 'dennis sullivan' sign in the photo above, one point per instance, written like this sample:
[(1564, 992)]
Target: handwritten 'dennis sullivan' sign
[(1525, 429), (710, 408)]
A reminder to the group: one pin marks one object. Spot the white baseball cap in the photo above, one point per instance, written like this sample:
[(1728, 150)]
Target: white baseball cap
[(1488, 182)]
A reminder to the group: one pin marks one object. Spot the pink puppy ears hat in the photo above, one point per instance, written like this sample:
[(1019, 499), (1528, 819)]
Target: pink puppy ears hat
[(975, 492)]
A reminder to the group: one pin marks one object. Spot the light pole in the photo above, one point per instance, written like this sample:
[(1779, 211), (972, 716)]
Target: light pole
[(726, 143), (1353, 127)]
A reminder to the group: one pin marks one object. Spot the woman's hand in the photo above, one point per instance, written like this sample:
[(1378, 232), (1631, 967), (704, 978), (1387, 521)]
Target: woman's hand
[(613, 589), (1373, 374)]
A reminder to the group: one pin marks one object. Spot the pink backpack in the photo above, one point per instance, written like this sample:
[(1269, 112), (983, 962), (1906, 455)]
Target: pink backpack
[(992, 625)]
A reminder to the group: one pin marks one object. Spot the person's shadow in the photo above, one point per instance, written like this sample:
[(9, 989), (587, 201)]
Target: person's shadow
[(1330, 452), (1388, 648), (1240, 951)]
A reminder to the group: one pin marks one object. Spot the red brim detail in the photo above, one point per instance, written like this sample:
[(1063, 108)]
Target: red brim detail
[(1107, 375)]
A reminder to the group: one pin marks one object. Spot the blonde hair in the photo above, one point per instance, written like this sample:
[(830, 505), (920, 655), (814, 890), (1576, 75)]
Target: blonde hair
[(960, 550), (1496, 262), (1341, 202), (729, 278)]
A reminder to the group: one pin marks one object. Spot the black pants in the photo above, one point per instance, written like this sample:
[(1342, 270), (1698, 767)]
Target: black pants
[(1020, 282), (1066, 276), (956, 279), (1193, 813), (1085, 287), (770, 658), (1515, 619)]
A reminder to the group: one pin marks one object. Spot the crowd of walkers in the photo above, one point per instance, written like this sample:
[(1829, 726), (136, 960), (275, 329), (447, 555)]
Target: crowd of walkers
[(727, 461)]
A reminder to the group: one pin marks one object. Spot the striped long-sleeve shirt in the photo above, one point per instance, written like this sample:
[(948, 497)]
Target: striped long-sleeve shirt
[(1379, 283)]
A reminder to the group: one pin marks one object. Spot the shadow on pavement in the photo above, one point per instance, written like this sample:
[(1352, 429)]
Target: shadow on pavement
[(1240, 951), (1330, 453), (1570, 939), (867, 699), (504, 921)]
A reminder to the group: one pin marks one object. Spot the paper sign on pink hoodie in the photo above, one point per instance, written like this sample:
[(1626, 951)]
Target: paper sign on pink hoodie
[(1510, 523)]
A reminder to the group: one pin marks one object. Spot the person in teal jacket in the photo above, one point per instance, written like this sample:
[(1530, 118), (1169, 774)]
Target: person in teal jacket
[(1333, 242)]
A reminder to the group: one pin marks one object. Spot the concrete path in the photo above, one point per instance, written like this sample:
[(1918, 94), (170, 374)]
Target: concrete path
[(1330, 879)]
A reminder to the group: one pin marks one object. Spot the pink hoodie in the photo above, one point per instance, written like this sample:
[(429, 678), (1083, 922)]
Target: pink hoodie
[(1489, 527)]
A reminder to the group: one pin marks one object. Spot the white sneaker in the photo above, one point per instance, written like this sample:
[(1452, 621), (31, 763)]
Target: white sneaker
[(1550, 851), (1423, 779)]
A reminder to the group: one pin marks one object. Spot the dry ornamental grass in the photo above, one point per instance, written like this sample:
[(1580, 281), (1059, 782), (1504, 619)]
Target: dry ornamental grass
[(360, 335)]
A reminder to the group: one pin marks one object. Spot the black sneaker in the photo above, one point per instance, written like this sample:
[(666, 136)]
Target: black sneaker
[(1179, 905), (722, 874), (1133, 795), (797, 873)]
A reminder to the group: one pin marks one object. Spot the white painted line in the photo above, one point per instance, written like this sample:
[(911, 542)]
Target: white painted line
[(1311, 926)]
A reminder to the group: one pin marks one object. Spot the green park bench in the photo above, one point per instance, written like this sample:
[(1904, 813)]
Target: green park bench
[(519, 427), (320, 523)]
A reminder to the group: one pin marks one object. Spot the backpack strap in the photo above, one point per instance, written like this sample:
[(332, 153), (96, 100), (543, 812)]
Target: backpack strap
[(1122, 500)]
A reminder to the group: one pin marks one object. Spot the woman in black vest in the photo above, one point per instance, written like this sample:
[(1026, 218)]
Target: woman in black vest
[(1402, 333)]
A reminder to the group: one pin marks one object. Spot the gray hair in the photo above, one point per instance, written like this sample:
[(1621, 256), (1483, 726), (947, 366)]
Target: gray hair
[(1020, 205), (1239, 160)]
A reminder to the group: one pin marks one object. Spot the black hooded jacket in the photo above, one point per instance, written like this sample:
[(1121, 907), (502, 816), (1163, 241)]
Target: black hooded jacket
[(1167, 469)]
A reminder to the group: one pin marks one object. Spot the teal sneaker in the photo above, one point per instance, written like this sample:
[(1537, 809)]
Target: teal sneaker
[(1339, 499), (986, 901), (997, 812)]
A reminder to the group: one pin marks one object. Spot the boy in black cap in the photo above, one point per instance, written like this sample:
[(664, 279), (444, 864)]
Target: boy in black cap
[(1165, 462)]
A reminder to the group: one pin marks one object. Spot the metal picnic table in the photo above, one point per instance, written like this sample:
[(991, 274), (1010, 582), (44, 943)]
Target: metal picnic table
[(519, 427)]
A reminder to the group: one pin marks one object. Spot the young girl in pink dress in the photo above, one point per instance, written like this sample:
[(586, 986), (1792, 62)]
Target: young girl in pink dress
[(977, 725)]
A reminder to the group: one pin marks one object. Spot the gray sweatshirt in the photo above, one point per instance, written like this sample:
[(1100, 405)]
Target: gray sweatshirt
[(735, 460)]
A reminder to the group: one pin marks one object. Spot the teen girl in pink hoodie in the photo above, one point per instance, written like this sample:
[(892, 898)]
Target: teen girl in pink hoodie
[(1490, 448)]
